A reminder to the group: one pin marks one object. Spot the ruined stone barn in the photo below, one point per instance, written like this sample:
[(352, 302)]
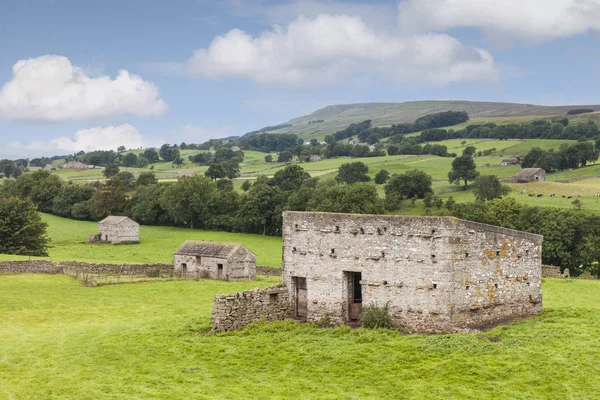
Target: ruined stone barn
[(227, 261), (115, 229), (434, 273), (530, 175)]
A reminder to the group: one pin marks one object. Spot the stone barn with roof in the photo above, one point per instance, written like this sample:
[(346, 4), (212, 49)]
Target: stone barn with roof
[(530, 175), (115, 229), (227, 261)]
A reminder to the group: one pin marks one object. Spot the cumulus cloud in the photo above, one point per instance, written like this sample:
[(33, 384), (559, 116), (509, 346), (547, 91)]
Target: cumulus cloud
[(328, 47), (100, 138), (530, 21), (50, 88)]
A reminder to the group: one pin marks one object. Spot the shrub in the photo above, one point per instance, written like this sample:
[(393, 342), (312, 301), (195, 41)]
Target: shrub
[(374, 317)]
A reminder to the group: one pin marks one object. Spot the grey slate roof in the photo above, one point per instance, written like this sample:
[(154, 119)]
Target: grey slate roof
[(526, 172), (114, 220), (207, 249)]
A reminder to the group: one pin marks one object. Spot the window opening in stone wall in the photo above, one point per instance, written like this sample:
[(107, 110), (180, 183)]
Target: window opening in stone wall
[(435, 285), (466, 255), (433, 231), (294, 250), (497, 253), (526, 252), (467, 287), (385, 282), (384, 229), (184, 269), (496, 285), (337, 229), (379, 231), (332, 251), (362, 231), (273, 298), (219, 271), (296, 226)]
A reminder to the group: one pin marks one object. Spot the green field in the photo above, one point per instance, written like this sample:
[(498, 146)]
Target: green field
[(69, 242), (60, 340)]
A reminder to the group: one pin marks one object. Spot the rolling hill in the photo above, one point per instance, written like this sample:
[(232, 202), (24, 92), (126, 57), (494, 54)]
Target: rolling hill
[(338, 117)]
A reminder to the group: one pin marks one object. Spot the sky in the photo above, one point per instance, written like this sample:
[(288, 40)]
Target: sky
[(96, 75)]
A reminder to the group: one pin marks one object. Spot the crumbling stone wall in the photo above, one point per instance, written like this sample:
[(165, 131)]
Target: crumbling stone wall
[(435, 273), (551, 271), (235, 311)]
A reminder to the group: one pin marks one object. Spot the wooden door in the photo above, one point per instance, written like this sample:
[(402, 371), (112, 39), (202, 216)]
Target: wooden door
[(301, 298), (354, 295)]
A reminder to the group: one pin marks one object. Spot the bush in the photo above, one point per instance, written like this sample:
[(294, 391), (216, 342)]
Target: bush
[(374, 317)]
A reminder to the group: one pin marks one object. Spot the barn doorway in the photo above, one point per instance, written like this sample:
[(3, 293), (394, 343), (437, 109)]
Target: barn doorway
[(184, 270), (354, 295), (301, 298), (219, 271)]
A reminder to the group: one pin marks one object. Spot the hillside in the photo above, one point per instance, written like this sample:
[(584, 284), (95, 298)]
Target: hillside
[(338, 117)]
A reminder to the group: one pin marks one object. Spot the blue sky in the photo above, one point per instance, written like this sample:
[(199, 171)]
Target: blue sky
[(203, 69)]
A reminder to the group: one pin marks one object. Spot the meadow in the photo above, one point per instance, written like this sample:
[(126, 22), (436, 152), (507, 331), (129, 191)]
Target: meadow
[(60, 340), (69, 242)]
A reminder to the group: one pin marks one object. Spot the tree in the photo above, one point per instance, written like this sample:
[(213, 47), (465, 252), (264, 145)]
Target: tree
[(225, 185), (413, 183), (261, 208), (290, 178), (109, 199), (189, 200), (246, 185), (142, 162), (121, 149), (532, 157), (127, 177), (216, 171), (22, 230), (151, 155), (285, 156), (488, 187), (577, 203), (353, 173), (145, 179), (463, 169), (450, 203), (469, 151), (110, 171), (70, 195), (169, 153), (178, 162), (382, 177), (130, 160), (359, 198), (269, 158)]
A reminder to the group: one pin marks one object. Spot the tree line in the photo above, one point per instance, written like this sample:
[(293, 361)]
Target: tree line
[(567, 157)]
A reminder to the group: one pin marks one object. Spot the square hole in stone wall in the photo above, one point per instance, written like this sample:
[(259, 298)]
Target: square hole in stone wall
[(273, 297)]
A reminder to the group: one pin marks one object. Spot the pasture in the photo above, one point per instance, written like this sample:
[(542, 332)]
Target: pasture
[(60, 340), (69, 242)]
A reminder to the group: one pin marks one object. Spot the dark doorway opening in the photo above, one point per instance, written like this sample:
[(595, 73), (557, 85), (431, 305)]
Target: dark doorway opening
[(301, 298), (219, 271), (183, 270), (354, 295)]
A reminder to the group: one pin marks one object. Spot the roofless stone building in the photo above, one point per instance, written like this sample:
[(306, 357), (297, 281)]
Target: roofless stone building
[(227, 261), (434, 273)]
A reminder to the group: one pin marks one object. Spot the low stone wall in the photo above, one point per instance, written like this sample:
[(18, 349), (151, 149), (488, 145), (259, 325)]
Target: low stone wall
[(551, 271), (70, 267), (269, 271), (234, 311)]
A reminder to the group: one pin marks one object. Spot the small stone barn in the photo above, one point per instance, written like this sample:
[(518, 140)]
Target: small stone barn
[(531, 175), (116, 229), (227, 261), (509, 161), (435, 274)]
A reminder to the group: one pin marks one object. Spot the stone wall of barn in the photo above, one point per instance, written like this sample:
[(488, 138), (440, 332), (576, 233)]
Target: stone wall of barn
[(235, 311), (434, 273), (239, 266), (125, 232)]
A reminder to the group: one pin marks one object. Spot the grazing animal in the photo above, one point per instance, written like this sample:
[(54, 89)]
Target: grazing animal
[(553, 195), (563, 196), (530, 195), (540, 195), (570, 197)]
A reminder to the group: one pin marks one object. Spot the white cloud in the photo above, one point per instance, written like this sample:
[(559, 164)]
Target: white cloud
[(100, 138), (530, 21), (49, 88), (326, 48)]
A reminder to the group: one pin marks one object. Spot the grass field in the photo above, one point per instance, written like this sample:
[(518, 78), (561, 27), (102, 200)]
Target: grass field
[(60, 340), (69, 242)]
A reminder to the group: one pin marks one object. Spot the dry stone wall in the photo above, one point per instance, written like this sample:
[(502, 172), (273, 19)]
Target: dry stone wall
[(551, 271), (235, 311), (47, 266)]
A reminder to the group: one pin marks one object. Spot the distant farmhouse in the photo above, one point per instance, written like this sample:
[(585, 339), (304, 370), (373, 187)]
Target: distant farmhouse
[(235, 148), (434, 274), (509, 161), (115, 229), (186, 173), (227, 261), (530, 175), (49, 168), (75, 165), (315, 158)]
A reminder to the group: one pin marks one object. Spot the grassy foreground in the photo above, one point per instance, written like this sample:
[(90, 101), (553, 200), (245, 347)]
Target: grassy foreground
[(59, 340), (157, 243)]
